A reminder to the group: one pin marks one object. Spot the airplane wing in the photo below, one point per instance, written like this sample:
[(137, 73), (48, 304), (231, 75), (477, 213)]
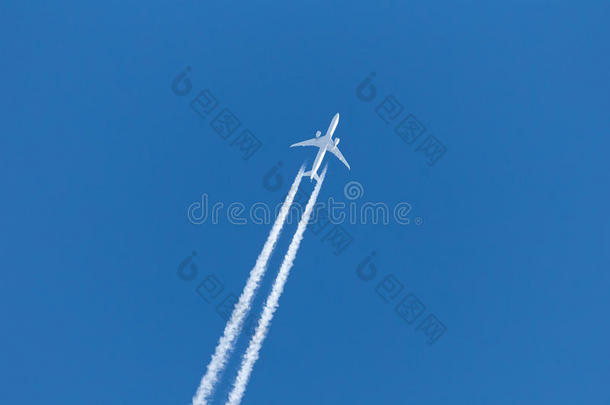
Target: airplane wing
[(310, 142), (335, 151)]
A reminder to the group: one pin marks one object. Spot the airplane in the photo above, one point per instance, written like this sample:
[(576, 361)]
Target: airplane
[(324, 143)]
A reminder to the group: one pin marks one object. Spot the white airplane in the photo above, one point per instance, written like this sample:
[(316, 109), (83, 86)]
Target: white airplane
[(324, 143)]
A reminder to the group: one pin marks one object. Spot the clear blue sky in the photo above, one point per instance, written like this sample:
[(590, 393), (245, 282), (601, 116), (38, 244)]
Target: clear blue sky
[(100, 159)]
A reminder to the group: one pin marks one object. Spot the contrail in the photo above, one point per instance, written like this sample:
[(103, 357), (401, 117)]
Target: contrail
[(234, 325), (251, 355)]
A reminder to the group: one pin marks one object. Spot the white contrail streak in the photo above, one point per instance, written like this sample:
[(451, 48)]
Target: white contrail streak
[(234, 325), (251, 355)]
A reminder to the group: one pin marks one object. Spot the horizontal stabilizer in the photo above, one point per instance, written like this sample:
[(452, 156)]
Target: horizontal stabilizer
[(308, 174)]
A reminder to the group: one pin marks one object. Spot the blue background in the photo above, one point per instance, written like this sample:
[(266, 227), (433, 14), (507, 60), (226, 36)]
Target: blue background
[(100, 160)]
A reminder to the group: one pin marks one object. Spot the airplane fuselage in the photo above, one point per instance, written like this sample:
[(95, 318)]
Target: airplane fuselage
[(332, 126), (318, 161), (320, 156)]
